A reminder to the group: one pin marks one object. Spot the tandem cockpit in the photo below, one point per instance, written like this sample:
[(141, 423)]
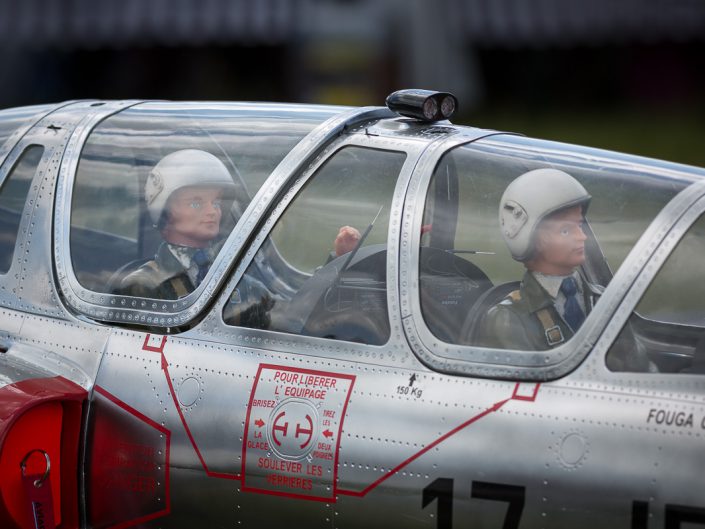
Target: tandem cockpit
[(501, 248), (160, 203)]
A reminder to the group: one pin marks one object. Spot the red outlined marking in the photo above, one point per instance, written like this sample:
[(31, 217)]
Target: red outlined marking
[(147, 347), (112, 398), (517, 394), (165, 368), (331, 498), (495, 407), (138, 521), (520, 395), (278, 428), (305, 431), (167, 434)]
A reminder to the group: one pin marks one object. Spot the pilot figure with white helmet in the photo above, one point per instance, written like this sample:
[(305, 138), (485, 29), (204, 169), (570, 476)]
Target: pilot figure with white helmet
[(184, 193), (541, 217)]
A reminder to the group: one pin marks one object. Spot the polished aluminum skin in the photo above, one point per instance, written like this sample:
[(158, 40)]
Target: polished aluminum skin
[(193, 422)]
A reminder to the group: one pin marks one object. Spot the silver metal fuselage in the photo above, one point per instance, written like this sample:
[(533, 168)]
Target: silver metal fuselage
[(201, 424)]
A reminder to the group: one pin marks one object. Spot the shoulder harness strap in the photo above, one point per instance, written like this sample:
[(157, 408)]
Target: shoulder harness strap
[(179, 286), (177, 282), (552, 332)]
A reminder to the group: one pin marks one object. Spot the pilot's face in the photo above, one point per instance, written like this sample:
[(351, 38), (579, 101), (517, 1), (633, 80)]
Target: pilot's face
[(193, 216), (560, 243)]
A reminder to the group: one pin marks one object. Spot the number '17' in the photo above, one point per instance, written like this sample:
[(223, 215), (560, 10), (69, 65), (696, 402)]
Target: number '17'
[(442, 490)]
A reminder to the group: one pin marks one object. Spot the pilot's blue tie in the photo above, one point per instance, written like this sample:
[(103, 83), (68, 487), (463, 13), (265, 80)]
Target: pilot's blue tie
[(202, 261), (573, 314)]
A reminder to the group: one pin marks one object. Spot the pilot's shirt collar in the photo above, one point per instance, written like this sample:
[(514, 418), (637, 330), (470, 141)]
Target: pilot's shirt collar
[(184, 255), (552, 286)]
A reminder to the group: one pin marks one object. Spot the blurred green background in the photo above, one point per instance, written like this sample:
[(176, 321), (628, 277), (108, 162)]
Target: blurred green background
[(675, 134), (640, 98), (627, 75)]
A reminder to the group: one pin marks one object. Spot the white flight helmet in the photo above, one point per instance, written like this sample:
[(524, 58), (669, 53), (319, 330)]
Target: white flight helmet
[(185, 168), (529, 199)]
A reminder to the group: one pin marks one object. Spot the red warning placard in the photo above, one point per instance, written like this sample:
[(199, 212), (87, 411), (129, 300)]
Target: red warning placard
[(292, 432)]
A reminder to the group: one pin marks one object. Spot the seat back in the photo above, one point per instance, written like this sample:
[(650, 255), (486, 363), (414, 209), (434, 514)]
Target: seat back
[(449, 286), (475, 318)]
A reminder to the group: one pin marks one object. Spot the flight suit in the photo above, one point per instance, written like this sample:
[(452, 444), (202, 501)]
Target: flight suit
[(164, 277), (527, 319)]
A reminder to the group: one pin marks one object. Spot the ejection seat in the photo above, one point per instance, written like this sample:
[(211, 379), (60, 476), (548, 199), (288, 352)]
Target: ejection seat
[(471, 332), (449, 286)]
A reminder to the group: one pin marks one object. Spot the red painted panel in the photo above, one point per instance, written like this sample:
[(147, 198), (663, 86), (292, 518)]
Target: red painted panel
[(40, 414), (38, 428), (128, 465)]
